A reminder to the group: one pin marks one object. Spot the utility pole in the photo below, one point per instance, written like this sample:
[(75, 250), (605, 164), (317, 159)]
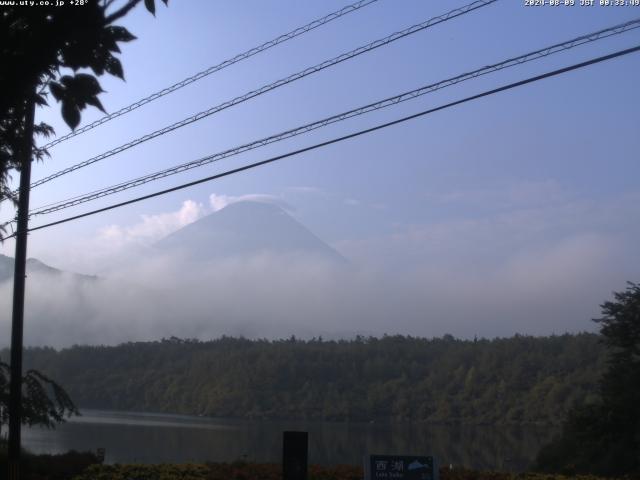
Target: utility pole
[(19, 276)]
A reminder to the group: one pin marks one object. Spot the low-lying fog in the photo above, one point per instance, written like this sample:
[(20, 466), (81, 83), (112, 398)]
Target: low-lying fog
[(161, 293)]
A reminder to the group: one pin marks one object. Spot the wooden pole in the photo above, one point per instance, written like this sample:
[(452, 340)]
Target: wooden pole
[(19, 276)]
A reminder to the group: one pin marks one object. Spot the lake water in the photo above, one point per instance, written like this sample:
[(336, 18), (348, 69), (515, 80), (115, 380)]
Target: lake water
[(156, 438)]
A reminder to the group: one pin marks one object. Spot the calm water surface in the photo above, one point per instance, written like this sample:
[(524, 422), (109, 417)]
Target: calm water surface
[(156, 438)]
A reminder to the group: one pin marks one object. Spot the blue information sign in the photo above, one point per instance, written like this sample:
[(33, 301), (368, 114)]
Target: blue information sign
[(399, 467)]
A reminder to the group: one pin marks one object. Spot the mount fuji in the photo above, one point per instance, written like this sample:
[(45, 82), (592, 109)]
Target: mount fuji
[(247, 228)]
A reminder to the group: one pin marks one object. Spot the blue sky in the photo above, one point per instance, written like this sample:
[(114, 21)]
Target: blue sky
[(529, 194)]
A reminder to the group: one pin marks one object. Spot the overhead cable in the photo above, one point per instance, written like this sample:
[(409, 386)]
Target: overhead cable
[(510, 86), (279, 83), (537, 54), (216, 68)]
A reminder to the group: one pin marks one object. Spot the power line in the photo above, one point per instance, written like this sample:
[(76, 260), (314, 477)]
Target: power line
[(266, 88), (345, 137), (216, 68), (559, 47)]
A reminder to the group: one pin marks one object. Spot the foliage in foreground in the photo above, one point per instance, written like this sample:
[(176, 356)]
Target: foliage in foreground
[(255, 471), (35, 45), (49, 467), (44, 402), (604, 437)]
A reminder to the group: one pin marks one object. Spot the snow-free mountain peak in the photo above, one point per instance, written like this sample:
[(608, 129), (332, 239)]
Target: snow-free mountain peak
[(247, 228)]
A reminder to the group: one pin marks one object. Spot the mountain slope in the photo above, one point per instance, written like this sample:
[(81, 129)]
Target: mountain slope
[(34, 266), (246, 228)]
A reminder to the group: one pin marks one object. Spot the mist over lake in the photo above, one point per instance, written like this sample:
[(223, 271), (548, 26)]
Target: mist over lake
[(195, 282), (160, 438)]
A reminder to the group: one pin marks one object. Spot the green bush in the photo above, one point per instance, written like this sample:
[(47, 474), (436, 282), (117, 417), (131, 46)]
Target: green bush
[(257, 471), (48, 467)]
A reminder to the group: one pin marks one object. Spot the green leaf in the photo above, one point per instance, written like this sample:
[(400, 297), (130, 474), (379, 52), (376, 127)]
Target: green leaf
[(85, 85), (41, 101), (97, 66), (70, 114), (77, 54), (96, 103), (107, 41), (76, 92), (114, 48), (114, 67), (57, 90), (43, 129), (120, 34), (67, 81), (151, 6)]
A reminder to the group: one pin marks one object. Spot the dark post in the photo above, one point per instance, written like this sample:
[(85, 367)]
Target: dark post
[(294, 455), (15, 393), (100, 454)]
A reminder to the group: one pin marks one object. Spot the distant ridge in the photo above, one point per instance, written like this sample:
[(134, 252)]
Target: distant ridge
[(34, 266), (247, 228)]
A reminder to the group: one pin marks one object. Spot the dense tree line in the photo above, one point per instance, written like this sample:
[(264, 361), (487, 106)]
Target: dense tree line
[(603, 437), (512, 380)]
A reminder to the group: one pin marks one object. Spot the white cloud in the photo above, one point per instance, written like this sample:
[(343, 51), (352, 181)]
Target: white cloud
[(152, 227), (551, 290), (115, 245), (218, 202), (534, 267)]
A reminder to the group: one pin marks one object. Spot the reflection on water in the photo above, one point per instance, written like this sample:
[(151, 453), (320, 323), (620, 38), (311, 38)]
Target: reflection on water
[(155, 438)]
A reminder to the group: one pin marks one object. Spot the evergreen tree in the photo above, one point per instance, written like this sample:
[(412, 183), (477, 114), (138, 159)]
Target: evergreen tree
[(604, 437)]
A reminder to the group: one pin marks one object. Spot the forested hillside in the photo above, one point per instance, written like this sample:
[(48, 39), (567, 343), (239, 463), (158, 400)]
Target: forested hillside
[(514, 380)]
